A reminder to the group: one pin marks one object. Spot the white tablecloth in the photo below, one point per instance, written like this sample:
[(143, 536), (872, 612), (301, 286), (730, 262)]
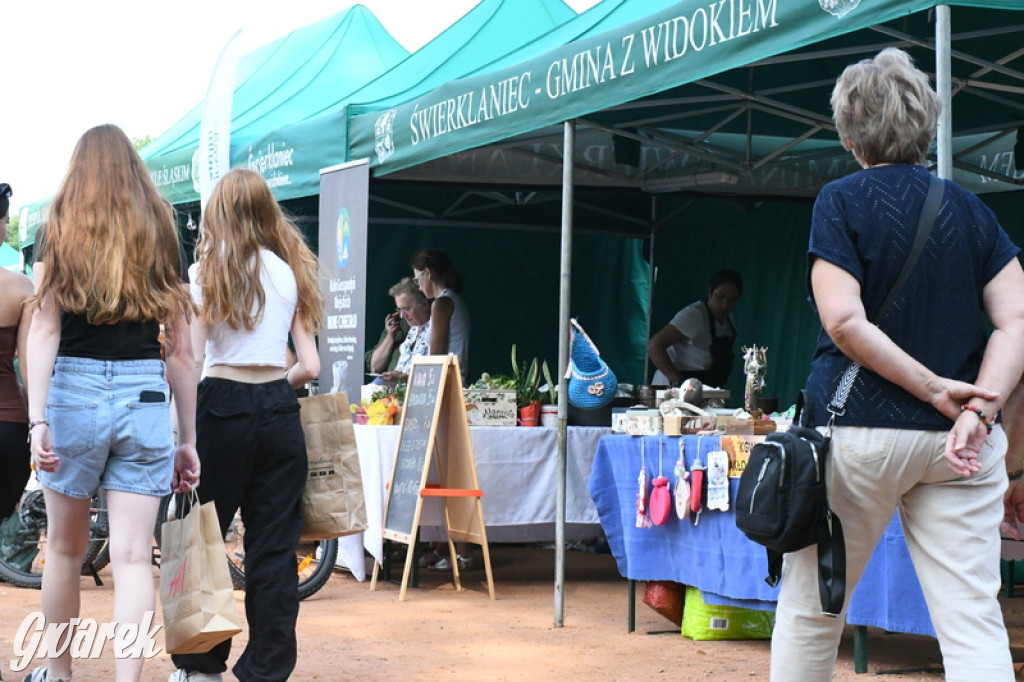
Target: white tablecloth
[(517, 471)]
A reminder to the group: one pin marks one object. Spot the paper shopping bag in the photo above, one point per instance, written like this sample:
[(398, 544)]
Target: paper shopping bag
[(332, 501), (195, 586)]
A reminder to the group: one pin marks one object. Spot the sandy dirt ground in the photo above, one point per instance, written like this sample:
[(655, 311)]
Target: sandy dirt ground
[(347, 632)]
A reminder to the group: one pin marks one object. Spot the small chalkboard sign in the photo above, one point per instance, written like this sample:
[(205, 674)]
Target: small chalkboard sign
[(419, 419), (434, 430)]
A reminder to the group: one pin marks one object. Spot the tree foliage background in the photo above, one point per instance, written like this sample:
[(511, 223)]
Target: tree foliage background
[(12, 232)]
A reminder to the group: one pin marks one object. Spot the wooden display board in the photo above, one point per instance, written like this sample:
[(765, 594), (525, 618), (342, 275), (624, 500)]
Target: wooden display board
[(434, 430)]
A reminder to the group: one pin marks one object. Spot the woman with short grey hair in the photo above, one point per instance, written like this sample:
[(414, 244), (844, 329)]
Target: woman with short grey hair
[(918, 433)]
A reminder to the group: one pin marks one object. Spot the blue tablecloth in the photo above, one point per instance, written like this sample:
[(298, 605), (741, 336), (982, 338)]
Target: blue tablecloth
[(716, 557)]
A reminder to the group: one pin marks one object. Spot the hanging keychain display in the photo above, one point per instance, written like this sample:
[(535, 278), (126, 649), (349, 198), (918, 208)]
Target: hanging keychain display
[(661, 499), (682, 491), (696, 485), (643, 519), (718, 480)]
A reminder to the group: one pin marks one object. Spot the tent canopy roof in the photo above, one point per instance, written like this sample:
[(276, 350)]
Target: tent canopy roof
[(493, 27), (290, 122), (729, 98), (306, 70), (283, 83)]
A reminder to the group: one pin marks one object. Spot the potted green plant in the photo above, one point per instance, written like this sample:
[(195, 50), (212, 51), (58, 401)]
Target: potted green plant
[(549, 399), (527, 380)]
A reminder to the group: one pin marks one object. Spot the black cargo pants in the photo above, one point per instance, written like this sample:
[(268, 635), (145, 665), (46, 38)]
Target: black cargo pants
[(253, 457)]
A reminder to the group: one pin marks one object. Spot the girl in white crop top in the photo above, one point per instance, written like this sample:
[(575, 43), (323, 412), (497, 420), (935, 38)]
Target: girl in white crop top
[(266, 344), (255, 281)]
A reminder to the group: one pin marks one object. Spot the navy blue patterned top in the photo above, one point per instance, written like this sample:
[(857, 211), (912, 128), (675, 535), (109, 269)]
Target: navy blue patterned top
[(865, 224)]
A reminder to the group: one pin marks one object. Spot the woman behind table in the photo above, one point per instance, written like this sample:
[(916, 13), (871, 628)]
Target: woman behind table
[(414, 308), (449, 319), (915, 433), (255, 280), (98, 401), (15, 291), (698, 342), (434, 274)]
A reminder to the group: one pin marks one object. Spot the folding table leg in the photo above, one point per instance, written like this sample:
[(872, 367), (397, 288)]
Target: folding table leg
[(860, 649), (631, 611)]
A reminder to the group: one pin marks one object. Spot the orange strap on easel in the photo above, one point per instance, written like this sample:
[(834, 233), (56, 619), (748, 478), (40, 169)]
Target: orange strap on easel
[(434, 490)]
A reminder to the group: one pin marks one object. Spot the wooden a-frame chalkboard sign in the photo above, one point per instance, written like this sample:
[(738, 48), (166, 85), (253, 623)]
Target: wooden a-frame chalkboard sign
[(434, 429)]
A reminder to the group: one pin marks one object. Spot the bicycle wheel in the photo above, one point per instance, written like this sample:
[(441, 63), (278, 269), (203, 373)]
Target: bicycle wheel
[(98, 555), (314, 560), (23, 548)]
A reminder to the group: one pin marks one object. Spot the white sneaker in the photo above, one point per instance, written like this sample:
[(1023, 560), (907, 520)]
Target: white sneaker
[(182, 675), (41, 674)]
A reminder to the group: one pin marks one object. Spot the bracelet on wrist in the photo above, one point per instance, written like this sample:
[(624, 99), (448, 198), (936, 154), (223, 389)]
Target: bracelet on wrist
[(981, 415), (33, 424), (1015, 475)]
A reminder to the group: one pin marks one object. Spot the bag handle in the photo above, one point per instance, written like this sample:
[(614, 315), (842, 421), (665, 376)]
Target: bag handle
[(178, 512), (925, 222)]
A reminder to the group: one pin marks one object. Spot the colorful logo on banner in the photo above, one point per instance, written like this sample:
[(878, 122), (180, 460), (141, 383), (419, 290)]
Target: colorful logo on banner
[(343, 237), (384, 134)]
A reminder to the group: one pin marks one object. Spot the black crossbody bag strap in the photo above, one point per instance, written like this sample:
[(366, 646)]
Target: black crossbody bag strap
[(925, 222), (831, 540)]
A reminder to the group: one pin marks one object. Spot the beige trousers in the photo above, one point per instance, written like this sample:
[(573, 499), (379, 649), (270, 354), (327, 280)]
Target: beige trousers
[(952, 531)]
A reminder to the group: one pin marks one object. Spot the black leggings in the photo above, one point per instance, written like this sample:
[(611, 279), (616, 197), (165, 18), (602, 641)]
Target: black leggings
[(14, 463)]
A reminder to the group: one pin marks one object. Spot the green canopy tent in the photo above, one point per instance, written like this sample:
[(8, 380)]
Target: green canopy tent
[(718, 99), (691, 101), (493, 27), (10, 259), (290, 121), (278, 85), (687, 77)]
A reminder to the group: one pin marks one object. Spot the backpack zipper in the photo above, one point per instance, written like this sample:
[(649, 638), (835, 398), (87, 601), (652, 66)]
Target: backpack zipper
[(764, 468), (817, 467)]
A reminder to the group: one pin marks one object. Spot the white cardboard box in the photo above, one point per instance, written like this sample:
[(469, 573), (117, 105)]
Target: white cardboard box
[(642, 421), (490, 407)]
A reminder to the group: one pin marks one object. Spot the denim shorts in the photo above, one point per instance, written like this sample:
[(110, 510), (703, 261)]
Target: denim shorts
[(111, 426)]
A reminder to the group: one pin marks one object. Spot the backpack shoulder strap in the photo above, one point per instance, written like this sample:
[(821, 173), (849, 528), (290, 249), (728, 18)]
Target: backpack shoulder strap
[(774, 568)]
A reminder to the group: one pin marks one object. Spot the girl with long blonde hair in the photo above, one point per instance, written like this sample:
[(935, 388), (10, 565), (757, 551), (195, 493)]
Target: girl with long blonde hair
[(99, 403), (255, 281)]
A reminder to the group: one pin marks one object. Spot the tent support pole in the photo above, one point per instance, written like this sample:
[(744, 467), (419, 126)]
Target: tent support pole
[(565, 289), (944, 86), (652, 276)]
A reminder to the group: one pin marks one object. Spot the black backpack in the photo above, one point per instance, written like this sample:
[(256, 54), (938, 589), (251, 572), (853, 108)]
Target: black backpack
[(782, 504)]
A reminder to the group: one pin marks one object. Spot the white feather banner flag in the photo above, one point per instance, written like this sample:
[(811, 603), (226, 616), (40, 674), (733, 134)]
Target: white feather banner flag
[(214, 156)]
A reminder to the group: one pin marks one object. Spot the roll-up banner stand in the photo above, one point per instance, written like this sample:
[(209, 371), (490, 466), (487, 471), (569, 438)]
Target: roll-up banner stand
[(344, 199)]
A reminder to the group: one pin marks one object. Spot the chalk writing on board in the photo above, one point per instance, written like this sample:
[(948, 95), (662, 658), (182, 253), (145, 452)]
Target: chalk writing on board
[(414, 444)]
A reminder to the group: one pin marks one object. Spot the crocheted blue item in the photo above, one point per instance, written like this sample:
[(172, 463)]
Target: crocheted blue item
[(592, 383)]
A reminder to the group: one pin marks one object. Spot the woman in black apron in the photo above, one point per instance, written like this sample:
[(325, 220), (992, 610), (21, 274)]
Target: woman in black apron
[(698, 342)]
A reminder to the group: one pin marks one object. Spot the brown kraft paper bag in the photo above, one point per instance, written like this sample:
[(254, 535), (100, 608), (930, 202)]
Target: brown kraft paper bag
[(195, 587), (332, 501)]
